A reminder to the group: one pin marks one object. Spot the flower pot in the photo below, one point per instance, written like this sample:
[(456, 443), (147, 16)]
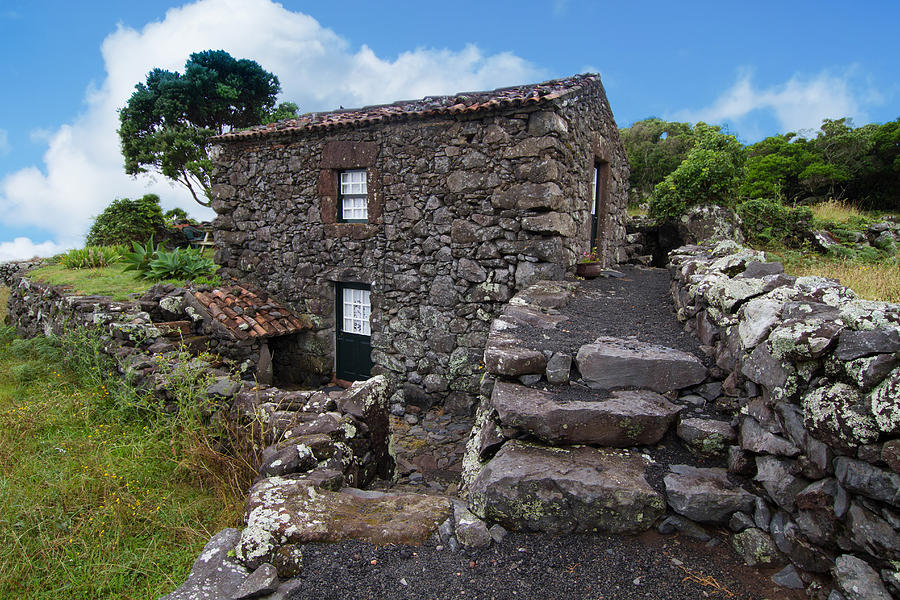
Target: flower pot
[(589, 270)]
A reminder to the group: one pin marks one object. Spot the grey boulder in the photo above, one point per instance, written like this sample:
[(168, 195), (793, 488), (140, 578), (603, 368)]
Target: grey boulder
[(705, 495)]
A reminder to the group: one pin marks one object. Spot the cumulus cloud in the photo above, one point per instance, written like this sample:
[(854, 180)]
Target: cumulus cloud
[(797, 104), (83, 168), (23, 248)]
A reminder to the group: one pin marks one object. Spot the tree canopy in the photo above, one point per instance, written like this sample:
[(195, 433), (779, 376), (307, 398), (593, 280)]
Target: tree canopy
[(709, 174), (168, 121), (676, 165), (655, 148)]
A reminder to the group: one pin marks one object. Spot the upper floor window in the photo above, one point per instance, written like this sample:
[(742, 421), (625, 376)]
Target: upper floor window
[(353, 196)]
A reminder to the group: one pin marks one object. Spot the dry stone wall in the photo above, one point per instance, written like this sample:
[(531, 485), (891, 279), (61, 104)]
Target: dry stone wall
[(462, 213), (817, 374)]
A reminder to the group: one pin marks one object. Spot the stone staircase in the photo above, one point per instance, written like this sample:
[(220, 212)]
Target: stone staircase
[(565, 444)]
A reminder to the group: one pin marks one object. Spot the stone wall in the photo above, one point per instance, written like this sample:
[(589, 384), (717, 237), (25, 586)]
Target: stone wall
[(462, 214), (816, 371), (156, 322)]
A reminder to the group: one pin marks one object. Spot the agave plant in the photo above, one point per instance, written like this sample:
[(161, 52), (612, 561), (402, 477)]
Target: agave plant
[(140, 256)]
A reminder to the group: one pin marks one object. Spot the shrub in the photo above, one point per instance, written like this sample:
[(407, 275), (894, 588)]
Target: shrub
[(710, 174), (125, 221), (770, 221), (91, 257)]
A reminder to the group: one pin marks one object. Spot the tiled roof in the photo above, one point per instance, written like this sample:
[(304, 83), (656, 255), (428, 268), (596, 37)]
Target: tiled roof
[(457, 104), (249, 315)]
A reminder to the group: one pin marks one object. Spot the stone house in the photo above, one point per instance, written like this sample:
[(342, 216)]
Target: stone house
[(401, 229)]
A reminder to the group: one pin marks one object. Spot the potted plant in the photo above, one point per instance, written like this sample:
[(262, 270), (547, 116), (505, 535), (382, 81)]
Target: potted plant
[(589, 265)]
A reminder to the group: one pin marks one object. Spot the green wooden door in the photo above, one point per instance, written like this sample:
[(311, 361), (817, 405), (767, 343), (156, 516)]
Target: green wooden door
[(353, 352)]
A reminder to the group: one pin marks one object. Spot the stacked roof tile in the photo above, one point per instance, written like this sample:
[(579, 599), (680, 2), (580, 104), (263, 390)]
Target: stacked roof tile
[(249, 315), (457, 104)]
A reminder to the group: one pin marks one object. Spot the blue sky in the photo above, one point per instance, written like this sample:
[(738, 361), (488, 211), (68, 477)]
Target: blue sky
[(758, 68)]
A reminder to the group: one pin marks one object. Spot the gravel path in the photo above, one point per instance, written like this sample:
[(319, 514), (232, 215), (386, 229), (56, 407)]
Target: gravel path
[(536, 566), (638, 305)]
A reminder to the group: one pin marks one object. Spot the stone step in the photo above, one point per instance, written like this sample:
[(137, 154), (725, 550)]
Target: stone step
[(571, 415), (527, 487), (284, 513), (614, 363)]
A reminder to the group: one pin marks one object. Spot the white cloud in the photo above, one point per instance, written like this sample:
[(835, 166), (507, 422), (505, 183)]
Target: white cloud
[(23, 248), (83, 169), (797, 104), (4, 142), (40, 135)]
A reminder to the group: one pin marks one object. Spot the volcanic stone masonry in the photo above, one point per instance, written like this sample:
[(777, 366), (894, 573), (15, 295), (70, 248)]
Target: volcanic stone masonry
[(470, 197)]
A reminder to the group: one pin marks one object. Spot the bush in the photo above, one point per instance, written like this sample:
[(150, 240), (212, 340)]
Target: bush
[(710, 174), (770, 221), (125, 221), (91, 257)]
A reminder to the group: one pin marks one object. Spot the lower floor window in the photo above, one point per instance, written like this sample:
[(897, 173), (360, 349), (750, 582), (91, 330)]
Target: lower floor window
[(356, 311)]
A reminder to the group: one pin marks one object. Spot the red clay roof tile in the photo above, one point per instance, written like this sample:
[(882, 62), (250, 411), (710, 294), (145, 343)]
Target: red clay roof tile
[(246, 314), (462, 103)]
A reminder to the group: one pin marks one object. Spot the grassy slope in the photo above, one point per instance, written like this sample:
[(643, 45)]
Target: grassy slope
[(106, 281), (872, 280), (90, 506)]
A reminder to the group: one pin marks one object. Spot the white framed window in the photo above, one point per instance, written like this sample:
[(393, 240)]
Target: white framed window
[(353, 193), (355, 310)]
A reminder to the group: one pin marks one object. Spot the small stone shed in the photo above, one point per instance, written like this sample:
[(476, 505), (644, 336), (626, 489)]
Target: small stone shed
[(402, 229)]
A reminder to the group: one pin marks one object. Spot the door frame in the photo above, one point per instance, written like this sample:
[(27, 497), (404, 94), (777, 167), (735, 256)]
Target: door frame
[(352, 352)]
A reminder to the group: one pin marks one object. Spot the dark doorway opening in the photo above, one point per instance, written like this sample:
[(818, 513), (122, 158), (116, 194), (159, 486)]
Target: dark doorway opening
[(599, 209)]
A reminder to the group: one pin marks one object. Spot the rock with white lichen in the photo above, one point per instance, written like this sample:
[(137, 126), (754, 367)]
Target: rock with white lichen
[(283, 512), (527, 487), (837, 414)]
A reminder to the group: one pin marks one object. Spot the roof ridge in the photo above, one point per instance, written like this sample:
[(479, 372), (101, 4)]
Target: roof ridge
[(429, 106)]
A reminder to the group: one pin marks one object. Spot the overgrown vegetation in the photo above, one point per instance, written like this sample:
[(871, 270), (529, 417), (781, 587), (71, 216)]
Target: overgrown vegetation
[(156, 263), (870, 280), (709, 174), (125, 221), (796, 195), (104, 494)]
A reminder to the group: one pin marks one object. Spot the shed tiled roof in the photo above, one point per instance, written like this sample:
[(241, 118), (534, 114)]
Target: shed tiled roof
[(249, 315), (468, 103)]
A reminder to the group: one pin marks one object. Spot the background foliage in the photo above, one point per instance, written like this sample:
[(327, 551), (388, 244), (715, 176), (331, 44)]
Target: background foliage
[(125, 221), (856, 165)]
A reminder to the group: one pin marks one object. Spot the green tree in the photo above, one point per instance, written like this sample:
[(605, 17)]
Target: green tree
[(284, 110), (655, 148), (710, 174), (168, 121), (125, 221)]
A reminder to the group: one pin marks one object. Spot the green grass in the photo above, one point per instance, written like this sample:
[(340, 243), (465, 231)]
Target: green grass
[(96, 500), (870, 280), (636, 211), (4, 298), (106, 281)]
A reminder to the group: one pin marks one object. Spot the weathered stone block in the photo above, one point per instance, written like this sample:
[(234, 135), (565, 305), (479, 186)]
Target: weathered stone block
[(555, 490), (705, 495), (629, 418), (611, 363)]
